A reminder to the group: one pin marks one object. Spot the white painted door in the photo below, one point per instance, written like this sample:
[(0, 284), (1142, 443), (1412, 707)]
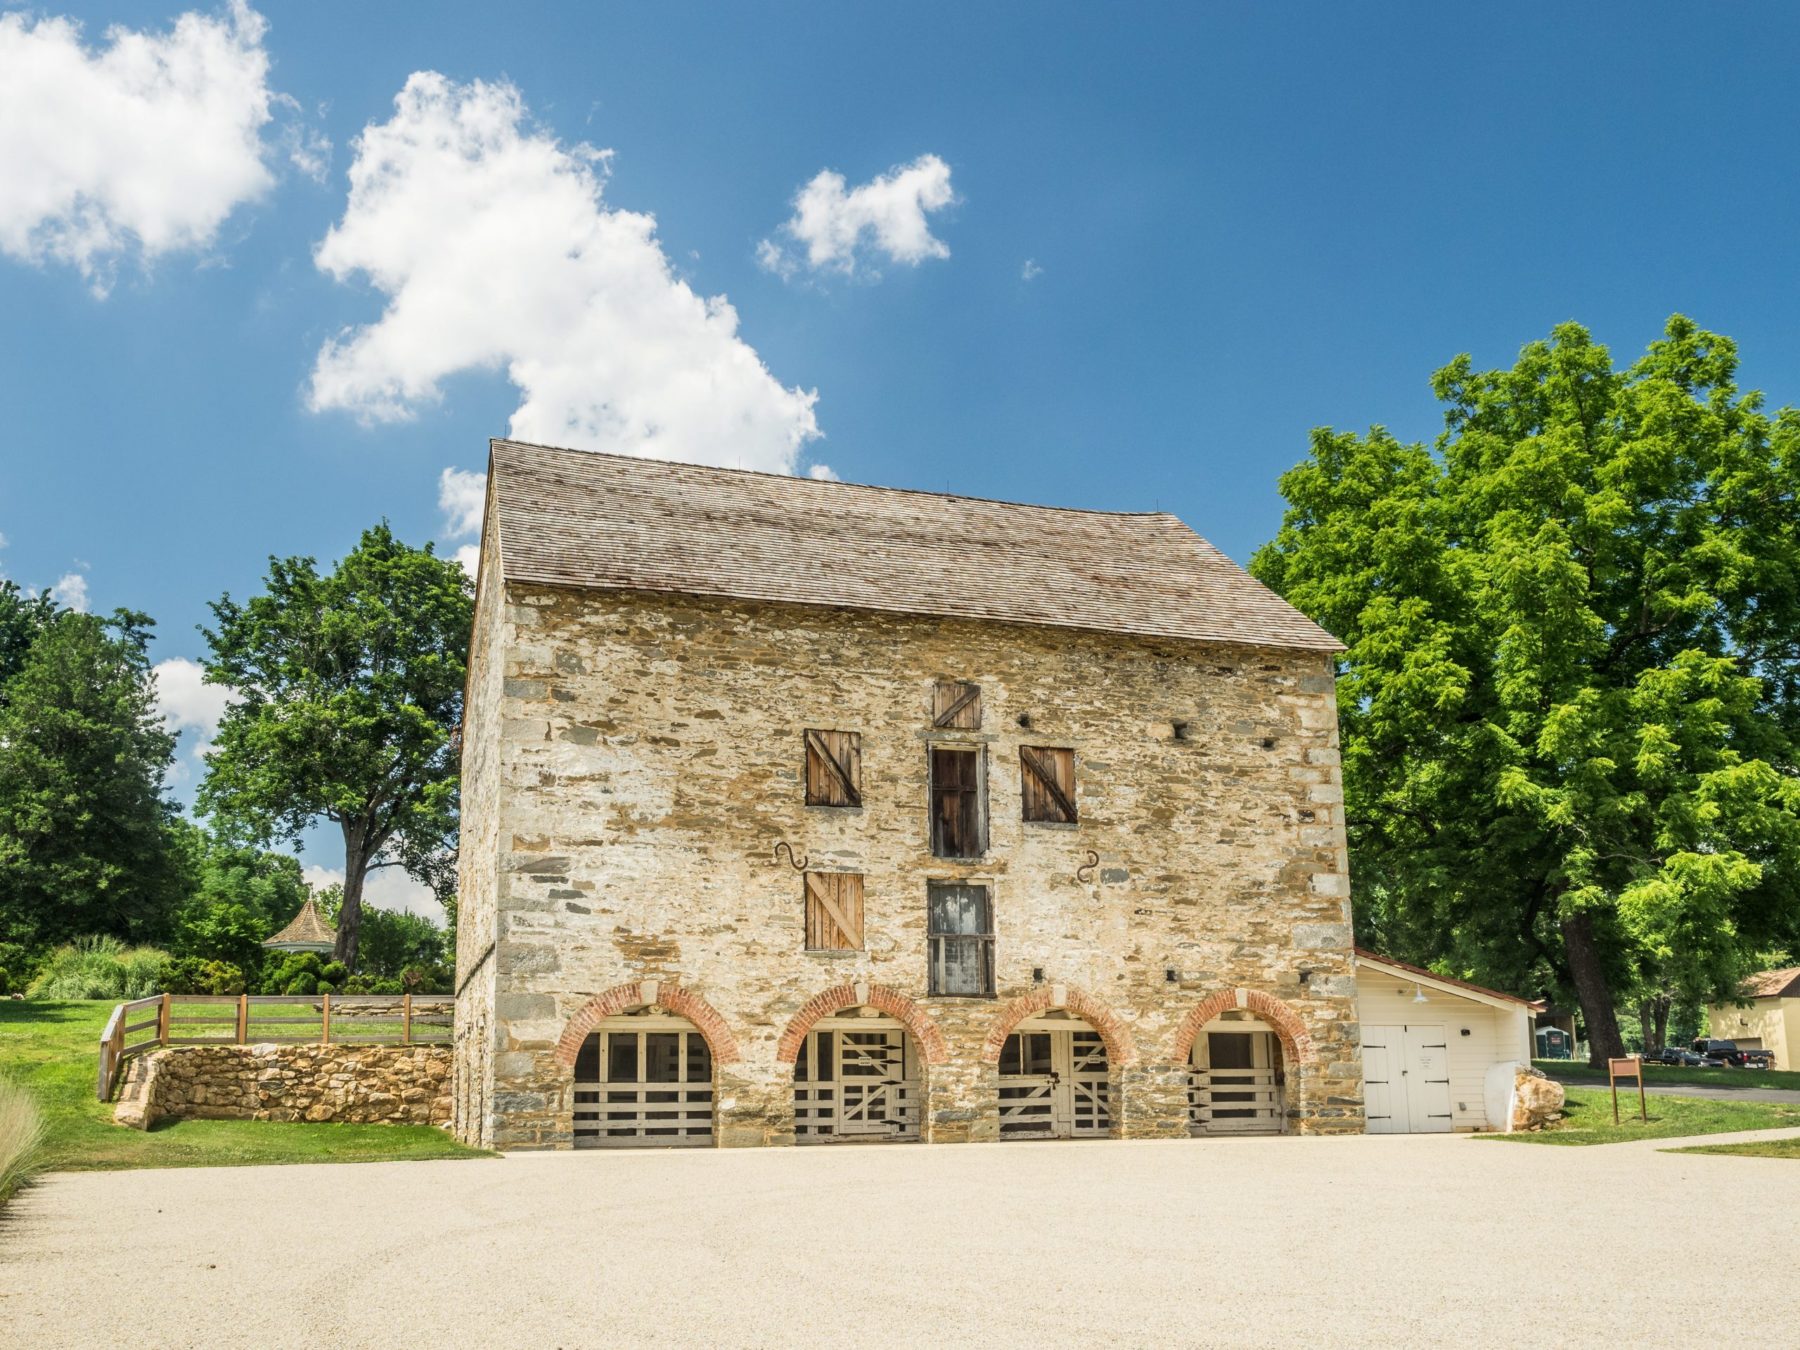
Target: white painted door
[(1382, 1085), (1427, 1080), (1406, 1079)]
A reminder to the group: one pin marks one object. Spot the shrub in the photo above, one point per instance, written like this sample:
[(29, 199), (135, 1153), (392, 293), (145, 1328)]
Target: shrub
[(21, 1128), (21, 964), (303, 973), (101, 967), (5, 981), (433, 979), (192, 975), (373, 984)]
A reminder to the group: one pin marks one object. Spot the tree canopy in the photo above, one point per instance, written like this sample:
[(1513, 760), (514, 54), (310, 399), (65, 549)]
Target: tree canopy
[(1570, 702), (347, 687), (86, 831)]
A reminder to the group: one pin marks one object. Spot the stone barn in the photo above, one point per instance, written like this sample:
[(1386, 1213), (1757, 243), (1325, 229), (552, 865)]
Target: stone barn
[(805, 812)]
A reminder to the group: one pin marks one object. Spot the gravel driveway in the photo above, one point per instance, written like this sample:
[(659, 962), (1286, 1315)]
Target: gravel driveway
[(1388, 1240)]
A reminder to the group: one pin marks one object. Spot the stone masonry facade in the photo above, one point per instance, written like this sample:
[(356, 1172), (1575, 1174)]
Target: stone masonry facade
[(401, 1085), (632, 759)]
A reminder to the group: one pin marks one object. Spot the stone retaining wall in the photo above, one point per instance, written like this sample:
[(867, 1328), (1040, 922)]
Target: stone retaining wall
[(359, 1084)]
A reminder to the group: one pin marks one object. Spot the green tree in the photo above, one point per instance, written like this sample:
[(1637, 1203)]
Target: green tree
[(392, 941), (1569, 701), (241, 896), (87, 840), (23, 616), (346, 690)]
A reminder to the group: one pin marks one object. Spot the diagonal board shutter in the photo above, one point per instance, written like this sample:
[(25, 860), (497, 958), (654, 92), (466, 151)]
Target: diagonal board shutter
[(956, 704), (1047, 784), (833, 768), (834, 911)]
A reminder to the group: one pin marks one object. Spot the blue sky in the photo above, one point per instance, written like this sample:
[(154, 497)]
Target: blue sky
[(1180, 236)]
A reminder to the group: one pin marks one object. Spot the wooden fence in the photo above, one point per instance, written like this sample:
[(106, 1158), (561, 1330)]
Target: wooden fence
[(270, 1019)]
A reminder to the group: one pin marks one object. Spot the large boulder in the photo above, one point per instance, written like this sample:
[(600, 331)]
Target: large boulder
[(1537, 1101)]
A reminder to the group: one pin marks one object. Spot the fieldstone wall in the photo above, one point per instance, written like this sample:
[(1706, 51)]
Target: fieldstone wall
[(633, 760), (355, 1084)]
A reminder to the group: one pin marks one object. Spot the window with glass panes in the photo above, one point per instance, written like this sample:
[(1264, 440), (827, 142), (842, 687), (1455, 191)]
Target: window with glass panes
[(960, 938)]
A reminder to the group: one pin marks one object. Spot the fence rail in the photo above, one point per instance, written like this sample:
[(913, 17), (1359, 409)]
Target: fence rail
[(270, 1019)]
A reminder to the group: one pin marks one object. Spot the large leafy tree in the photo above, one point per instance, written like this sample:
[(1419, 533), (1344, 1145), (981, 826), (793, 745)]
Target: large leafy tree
[(240, 895), (87, 840), (1571, 697), (347, 689)]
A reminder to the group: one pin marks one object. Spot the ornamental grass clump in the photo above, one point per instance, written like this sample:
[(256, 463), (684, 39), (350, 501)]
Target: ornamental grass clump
[(21, 1130), (101, 967)]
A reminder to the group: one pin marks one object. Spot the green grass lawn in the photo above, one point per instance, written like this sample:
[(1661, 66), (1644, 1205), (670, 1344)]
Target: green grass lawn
[(1589, 1119), (53, 1049), (1566, 1071), (1769, 1148)]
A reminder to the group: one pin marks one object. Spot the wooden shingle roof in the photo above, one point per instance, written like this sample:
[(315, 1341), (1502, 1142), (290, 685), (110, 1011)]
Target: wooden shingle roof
[(582, 519), (1774, 984), (308, 931)]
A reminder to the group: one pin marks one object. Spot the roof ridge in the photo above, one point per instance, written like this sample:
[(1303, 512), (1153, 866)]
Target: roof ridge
[(836, 482)]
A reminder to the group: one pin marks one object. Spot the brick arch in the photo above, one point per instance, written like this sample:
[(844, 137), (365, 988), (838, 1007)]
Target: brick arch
[(641, 993), (1296, 1040), (1121, 1048), (880, 996)]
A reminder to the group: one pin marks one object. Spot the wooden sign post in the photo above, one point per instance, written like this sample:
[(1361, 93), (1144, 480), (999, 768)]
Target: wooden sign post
[(1627, 1068)]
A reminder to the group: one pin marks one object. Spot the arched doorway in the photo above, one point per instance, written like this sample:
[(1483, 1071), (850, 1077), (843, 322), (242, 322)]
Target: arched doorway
[(861, 1054), (1237, 1077), (644, 1080), (1055, 1080), (643, 1056), (858, 1078)]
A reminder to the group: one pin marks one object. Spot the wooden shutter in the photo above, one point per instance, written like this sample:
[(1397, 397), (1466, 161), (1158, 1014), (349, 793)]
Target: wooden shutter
[(834, 911), (956, 704), (1047, 784), (957, 824), (833, 768)]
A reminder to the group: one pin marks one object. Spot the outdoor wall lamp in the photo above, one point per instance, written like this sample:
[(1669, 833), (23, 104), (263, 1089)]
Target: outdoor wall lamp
[(1419, 994)]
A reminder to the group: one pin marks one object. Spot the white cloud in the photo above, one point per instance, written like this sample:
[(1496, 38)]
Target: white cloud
[(188, 704), (838, 228), (385, 888), (824, 473), (469, 555), (71, 591), (1031, 271), (495, 251), (145, 144), (462, 496)]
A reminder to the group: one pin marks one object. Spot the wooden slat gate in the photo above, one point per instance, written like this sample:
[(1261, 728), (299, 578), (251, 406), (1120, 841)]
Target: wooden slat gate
[(1234, 1083), (1054, 1084), (857, 1079), (644, 1081)]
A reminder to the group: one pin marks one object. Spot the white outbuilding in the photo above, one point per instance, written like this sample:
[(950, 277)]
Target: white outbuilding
[(1438, 1054)]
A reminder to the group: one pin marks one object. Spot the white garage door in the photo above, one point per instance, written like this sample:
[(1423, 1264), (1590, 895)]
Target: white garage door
[(1406, 1079)]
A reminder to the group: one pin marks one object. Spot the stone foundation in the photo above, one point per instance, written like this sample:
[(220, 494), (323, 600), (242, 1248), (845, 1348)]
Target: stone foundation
[(355, 1084)]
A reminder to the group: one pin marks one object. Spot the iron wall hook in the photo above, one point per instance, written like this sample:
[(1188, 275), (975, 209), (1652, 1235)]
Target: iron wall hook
[(799, 865), (1087, 868)]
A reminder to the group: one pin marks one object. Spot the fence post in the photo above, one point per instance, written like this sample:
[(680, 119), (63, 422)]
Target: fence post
[(406, 1019), (243, 1026), (325, 1028), (162, 1022)]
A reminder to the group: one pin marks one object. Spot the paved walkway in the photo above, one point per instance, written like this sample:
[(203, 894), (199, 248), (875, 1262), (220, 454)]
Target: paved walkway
[(1747, 1093), (1427, 1240)]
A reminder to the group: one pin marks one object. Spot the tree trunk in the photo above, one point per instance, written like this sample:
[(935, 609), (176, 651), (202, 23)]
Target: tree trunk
[(356, 867), (1604, 1041), (1661, 1008), (1646, 1027)]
